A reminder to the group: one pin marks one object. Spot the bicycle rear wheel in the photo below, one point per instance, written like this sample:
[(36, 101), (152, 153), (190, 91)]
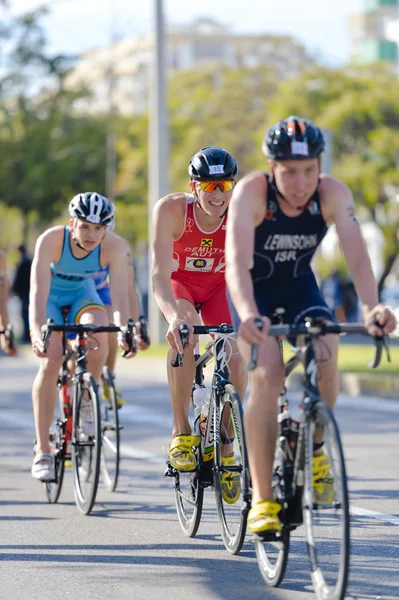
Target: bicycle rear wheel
[(110, 449), (57, 440), (189, 498), (326, 508), (86, 442), (231, 473)]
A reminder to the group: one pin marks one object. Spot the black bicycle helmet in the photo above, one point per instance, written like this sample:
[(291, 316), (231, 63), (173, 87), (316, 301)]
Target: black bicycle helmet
[(92, 207), (293, 138), (212, 164)]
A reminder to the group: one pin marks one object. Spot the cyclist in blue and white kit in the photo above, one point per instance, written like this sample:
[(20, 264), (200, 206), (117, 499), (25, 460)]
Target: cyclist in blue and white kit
[(276, 222), (64, 260)]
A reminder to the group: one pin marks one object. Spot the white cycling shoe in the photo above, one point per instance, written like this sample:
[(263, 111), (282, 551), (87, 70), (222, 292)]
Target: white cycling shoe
[(43, 467)]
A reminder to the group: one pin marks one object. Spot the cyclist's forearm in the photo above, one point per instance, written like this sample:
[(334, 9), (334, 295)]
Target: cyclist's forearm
[(165, 298), (365, 284)]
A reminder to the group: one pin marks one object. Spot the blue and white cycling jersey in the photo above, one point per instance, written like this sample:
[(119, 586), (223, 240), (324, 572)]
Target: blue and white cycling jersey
[(71, 273), (72, 285)]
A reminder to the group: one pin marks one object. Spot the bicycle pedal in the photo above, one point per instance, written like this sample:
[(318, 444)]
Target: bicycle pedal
[(169, 470), (268, 536)]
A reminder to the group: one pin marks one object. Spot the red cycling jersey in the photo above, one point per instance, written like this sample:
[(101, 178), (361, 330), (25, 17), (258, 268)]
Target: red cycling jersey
[(199, 266)]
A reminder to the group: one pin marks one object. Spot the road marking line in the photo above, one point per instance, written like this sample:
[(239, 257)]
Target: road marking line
[(364, 512)]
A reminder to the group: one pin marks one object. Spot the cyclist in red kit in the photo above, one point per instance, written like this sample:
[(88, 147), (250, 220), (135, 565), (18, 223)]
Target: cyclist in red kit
[(188, 272)]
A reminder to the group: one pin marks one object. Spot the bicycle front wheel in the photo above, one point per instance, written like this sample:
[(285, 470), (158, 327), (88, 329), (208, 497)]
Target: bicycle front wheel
[(231, 472), (326, 507), (86, 442), (57, 440), (189, 498), (110, 449)]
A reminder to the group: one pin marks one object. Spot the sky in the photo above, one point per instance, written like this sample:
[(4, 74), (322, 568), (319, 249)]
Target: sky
[(78, 25)]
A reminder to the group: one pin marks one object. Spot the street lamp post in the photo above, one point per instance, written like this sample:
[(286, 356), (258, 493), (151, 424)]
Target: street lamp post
[(158, 150)]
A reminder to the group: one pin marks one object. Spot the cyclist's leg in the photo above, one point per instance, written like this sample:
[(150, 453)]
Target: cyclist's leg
[(260, 423), (180, 379), (88, 308), (105, 295), (215, 311), (44, 397)]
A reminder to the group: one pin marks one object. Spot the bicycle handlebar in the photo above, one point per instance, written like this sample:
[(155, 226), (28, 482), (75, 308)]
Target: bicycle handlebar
[(128, 331), (198, 330), (314, 329)]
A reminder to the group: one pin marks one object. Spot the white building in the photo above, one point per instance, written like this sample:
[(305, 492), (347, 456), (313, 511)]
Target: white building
[(121, 70), (375, 32)]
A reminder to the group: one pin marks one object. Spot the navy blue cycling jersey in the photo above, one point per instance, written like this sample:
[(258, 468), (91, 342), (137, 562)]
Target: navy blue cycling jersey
[(284, 246)]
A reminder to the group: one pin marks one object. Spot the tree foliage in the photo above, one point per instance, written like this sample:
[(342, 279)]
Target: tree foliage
[(50, 151)]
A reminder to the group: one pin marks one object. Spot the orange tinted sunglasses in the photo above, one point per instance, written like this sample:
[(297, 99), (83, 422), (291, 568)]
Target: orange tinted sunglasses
[(210, 186)]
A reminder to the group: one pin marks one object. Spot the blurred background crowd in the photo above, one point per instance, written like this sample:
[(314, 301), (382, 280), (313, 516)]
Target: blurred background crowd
[(74, 114)]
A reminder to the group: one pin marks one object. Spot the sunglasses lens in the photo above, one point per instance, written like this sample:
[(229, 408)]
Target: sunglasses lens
[(210, 186)]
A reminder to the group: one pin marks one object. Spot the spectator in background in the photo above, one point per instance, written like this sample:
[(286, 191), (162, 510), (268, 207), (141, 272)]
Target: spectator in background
[(21, 287), (349, 299)]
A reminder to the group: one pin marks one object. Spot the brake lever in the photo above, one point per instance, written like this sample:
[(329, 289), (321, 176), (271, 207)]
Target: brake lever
[(178, 360), (129, 338), (253, 361), (381, 343), (142, 330), (46, 334)]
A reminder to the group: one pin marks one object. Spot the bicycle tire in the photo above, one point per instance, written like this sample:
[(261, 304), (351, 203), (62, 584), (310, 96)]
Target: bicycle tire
[(232, 510), (189, 498), (272, 557), (330, 581), (57, 439), (86, 445), (110, 430)]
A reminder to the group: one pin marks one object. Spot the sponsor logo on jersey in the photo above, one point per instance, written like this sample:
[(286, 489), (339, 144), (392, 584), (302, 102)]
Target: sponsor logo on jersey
[(208, 242), (290, 242), (199, 264), (203, 251)]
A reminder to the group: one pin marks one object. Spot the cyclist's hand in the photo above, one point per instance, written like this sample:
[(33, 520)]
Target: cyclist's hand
[(173, 335), (8, 344), (131, 350), (37, 344), (380, 320), (142, 344), (250, 333)]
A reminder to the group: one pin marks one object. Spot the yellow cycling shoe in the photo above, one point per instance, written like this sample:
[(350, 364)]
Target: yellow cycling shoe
[(322, 480), (263, 517), (106, 393), (120, 401), (231, 485), (181, 455)]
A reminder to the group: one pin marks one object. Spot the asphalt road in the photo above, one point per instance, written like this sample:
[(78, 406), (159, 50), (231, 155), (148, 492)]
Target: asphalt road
[(131, 547)]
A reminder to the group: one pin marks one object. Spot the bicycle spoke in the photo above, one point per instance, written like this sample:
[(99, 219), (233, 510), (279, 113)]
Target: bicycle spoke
[(326, 513), (110, 451), (86, 446), (231, 482)]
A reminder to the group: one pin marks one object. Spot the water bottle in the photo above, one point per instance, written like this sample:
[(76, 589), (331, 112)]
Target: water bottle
[(201, 407)]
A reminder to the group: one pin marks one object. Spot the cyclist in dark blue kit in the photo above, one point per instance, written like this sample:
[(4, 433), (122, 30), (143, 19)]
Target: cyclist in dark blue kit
[(276, 222)]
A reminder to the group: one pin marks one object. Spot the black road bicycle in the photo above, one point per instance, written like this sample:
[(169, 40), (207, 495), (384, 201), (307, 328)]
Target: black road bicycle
[(221, 434), (321, 505), (79, 432)]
